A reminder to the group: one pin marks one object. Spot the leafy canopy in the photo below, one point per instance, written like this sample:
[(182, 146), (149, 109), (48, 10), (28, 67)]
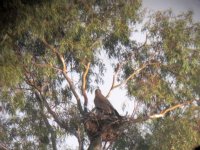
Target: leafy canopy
[(49, 55)]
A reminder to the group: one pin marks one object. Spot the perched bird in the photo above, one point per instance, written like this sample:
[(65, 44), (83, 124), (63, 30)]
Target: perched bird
[(103, 105)]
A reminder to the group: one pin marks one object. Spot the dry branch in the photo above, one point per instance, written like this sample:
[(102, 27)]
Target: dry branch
[(59, 55), (164, 112), (64, 71), (84, 82), (127, 79), (120, 65)]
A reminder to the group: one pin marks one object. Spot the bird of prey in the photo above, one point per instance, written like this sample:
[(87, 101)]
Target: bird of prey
[(103, 105)]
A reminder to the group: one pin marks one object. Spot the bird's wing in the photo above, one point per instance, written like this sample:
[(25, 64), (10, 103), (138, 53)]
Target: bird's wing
[(113, 110), (103, 105)]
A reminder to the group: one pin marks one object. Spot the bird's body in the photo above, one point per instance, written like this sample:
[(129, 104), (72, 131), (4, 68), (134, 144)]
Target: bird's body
[(103, 105)]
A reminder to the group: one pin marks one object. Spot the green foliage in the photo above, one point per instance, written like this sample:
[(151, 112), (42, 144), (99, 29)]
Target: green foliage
[(9, 66), (173, 133), (172, 52), (78, 30), (37, 32), (131, 139)]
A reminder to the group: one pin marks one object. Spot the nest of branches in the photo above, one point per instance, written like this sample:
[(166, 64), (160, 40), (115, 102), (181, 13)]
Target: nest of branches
[(101, 125)]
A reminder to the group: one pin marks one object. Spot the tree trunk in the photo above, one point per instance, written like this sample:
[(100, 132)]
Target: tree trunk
[(95, 144)]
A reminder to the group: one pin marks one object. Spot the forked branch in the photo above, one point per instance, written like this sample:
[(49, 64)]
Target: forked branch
[(127, 79), (120, 65), (117, 69), (64, 72)]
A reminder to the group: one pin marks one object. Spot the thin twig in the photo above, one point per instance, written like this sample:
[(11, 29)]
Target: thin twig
[(110, 144), (132, 75), (104, 146), (40, 96)]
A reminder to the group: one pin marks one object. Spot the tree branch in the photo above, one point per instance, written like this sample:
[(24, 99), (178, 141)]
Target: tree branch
[(159, 115), (72, 87), (136, 108), (119, 66), (3, 147), (56, 118), (29, 81), (52, 132), (132, 75), (41, 99), (59, 55), (127, 79), (64, 71), (84, 82), (164, 112)]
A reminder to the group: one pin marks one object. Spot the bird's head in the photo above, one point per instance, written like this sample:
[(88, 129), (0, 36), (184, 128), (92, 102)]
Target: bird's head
[(97, 91)]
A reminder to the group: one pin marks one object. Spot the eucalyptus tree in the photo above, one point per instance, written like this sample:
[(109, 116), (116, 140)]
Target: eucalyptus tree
[(50, 56)]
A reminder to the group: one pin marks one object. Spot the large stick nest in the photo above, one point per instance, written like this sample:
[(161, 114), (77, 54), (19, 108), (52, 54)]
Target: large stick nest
[(106, 126)]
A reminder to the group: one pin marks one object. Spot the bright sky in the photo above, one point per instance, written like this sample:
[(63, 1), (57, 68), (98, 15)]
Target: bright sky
[(177, 6), (118, 96)]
